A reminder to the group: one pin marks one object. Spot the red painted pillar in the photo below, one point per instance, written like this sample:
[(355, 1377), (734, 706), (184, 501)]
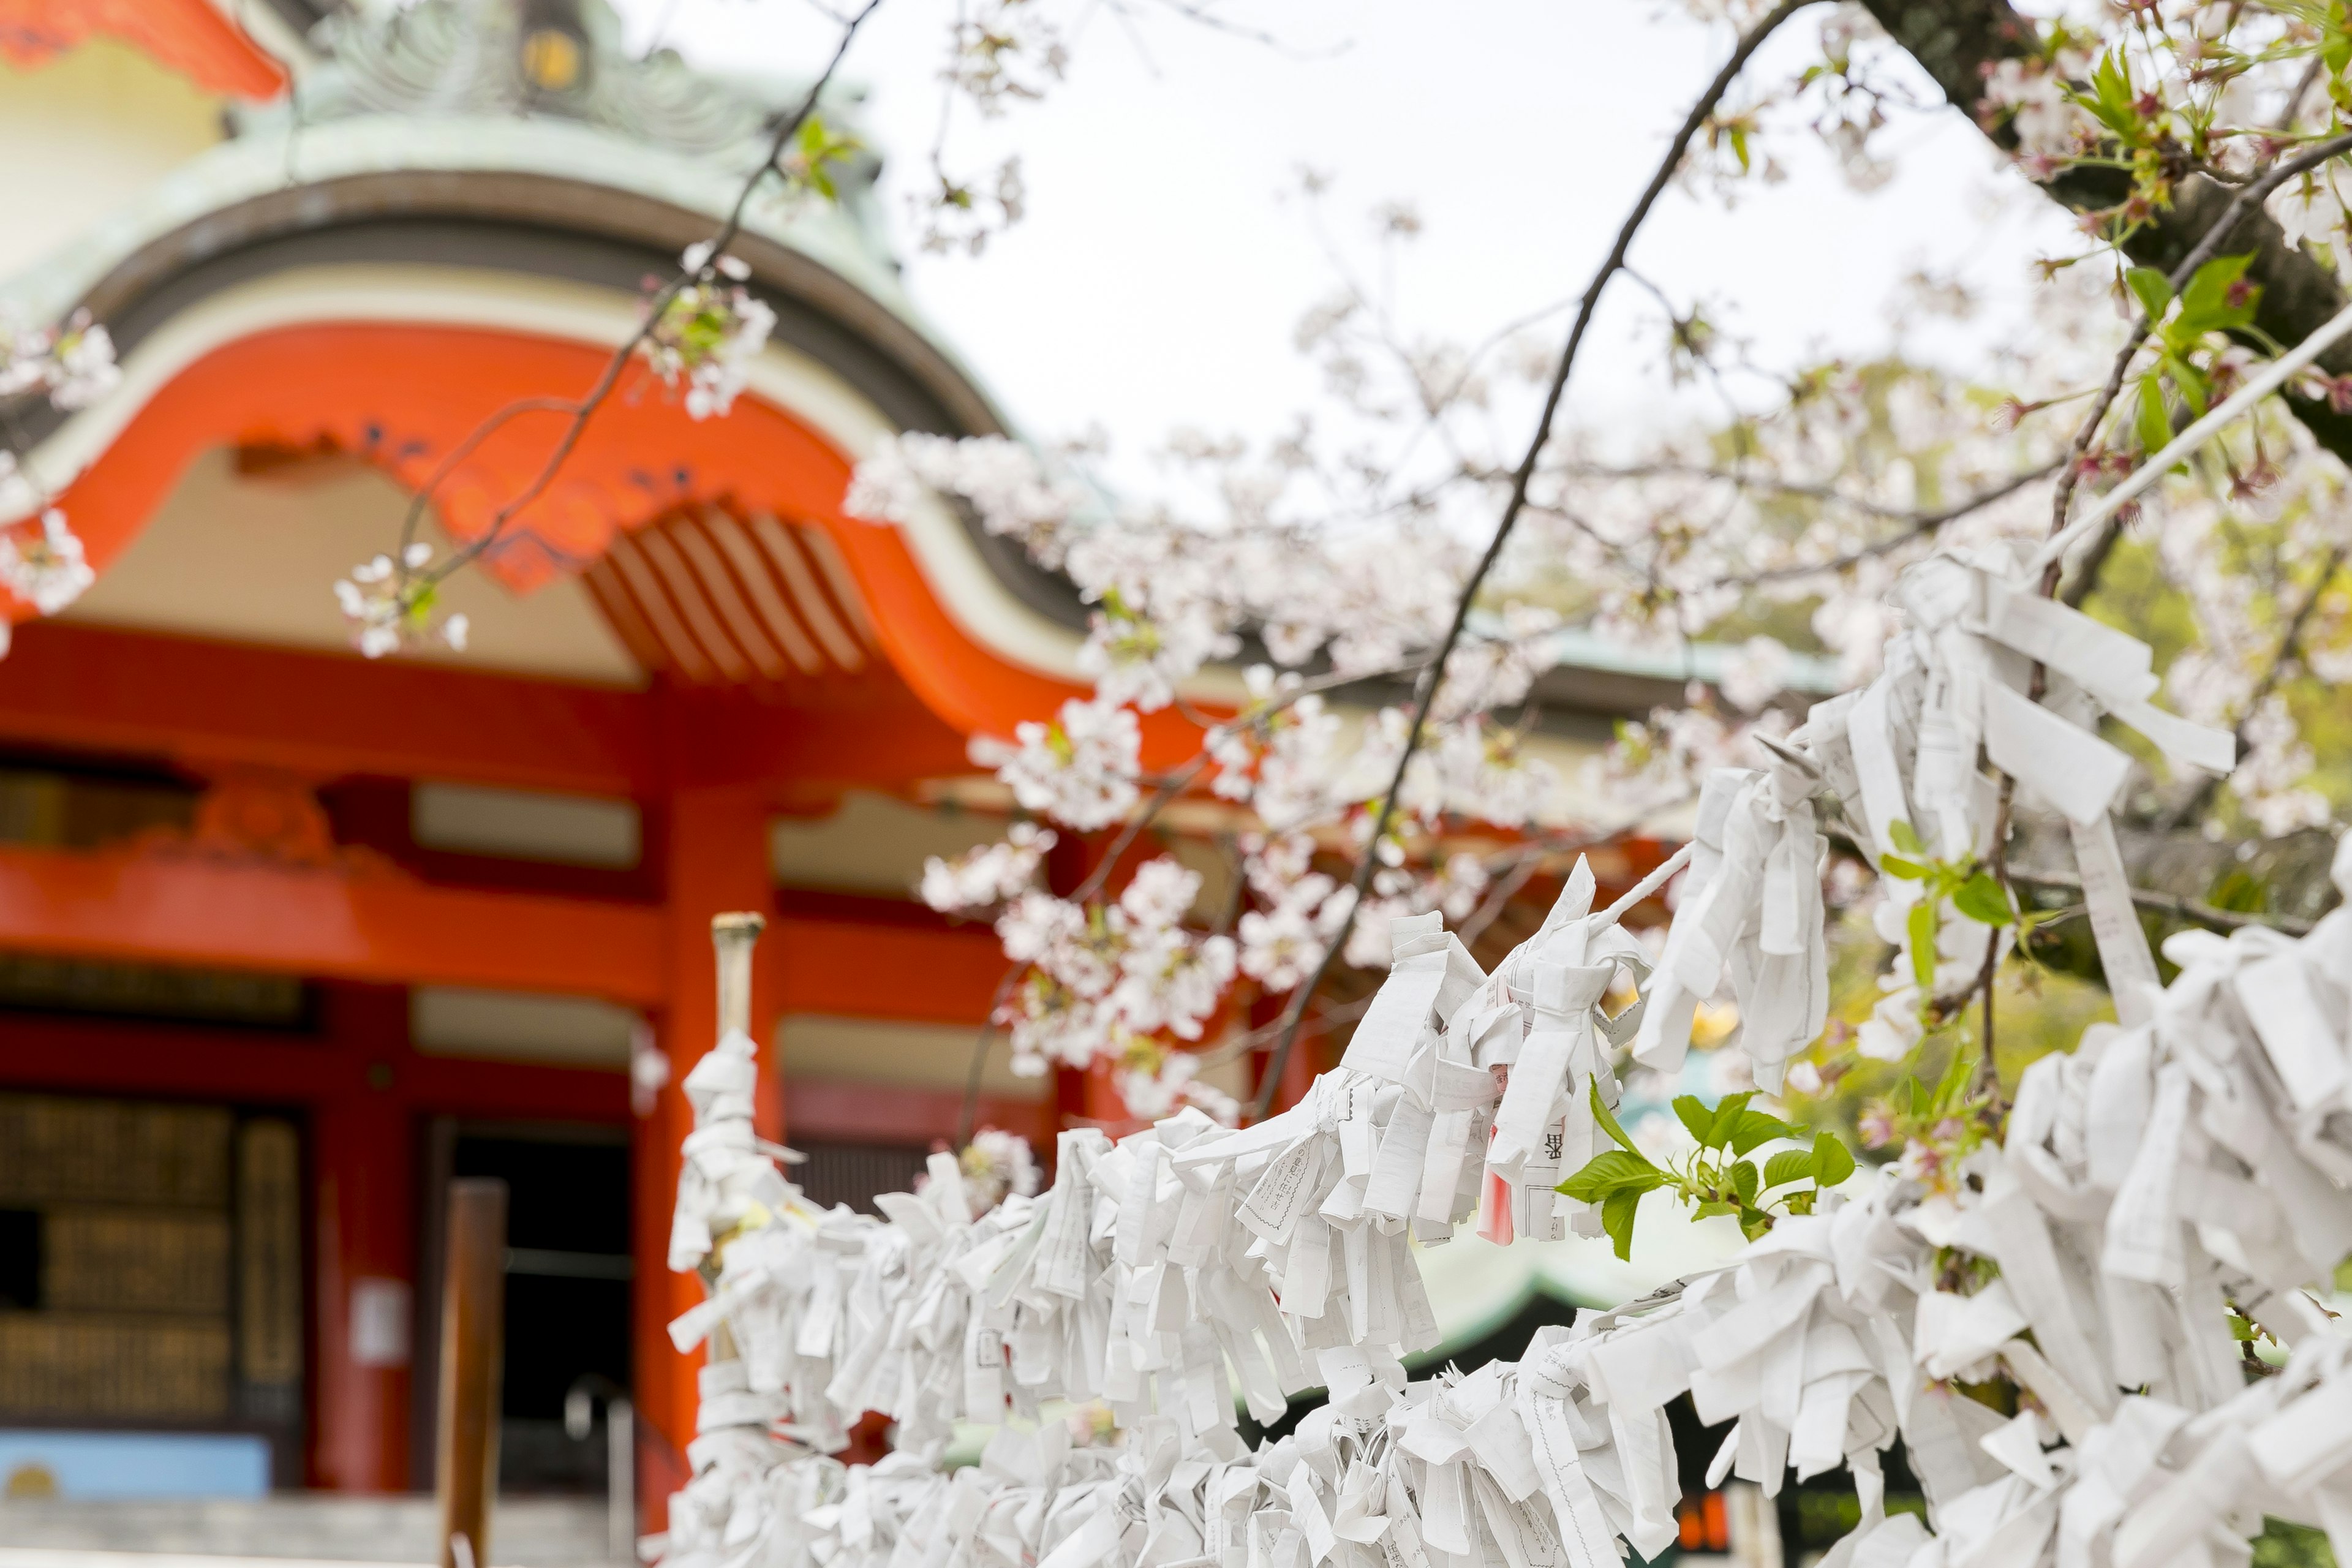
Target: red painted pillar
[(365, 1251), (717, 860)]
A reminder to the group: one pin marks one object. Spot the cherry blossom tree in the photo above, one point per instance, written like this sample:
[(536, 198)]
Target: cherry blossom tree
[(2078, 608)]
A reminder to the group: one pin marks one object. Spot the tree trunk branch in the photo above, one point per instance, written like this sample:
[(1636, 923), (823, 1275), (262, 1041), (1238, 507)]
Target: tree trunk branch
[(1959, 43)]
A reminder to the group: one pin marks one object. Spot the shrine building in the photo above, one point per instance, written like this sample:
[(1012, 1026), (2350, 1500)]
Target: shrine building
[(289, 938)]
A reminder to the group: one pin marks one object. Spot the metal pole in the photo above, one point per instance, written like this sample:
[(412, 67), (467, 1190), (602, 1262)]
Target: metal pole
[(473, 1302), (620, 1480)]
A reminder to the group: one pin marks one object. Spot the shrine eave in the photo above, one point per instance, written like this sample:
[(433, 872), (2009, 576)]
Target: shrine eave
[(305, 314)]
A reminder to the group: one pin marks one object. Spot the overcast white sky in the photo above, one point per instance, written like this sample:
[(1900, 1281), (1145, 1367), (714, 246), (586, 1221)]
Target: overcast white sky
[(1162, 267)]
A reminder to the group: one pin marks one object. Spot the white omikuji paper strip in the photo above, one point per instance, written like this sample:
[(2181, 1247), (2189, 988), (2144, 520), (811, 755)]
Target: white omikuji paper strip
[(2199, 1157)]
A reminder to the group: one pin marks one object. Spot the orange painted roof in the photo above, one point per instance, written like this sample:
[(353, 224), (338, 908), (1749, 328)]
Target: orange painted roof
[(187, 36)]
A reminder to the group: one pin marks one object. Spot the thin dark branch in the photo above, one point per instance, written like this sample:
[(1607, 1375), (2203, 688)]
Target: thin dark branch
[(2092, 562), (2289, 652), (2290, 648), (1433, 677), (987, 1037), (2248, 199), (586, 407), (1170, 788), (1920, 526), (1204, 16), (2196, 912), (1323, 1023)]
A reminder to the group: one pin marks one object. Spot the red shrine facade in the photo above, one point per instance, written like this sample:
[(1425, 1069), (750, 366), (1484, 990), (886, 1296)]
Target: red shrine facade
[(289, 939)]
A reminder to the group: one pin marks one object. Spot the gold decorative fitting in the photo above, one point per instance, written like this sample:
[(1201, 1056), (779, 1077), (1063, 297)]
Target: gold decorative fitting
[(551, 59)]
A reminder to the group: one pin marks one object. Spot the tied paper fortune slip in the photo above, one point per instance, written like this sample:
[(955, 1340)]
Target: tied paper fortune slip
[(2194, 1160)]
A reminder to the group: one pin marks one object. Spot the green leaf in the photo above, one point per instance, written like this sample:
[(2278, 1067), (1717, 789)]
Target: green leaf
[(1923, 945), (1709, 1209), (1694, 1115), (1789, 1166), (1905, 838), (2110, 101), (1755, 1127), (1743, 1181), (1727, 1112), (1608, 1120), (1953, 1083), (2195, 390), (1832, 1163), (1981, 898), (2205, 304), (2151, 421), (2154, 293), (1612, 1171), (1617, 1220), (1906, 870), (1754, 1223)]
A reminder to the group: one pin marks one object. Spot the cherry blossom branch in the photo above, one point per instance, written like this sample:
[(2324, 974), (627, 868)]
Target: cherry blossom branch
[(1323, 1023), (2108, 513), (969, 1114), (1921, 525), (2289, 650), (1170, 788), (2290, 646), (1525, 860), (1433, 677), (582, 409), (1797, 489), (2247, 199), (2196, 912)]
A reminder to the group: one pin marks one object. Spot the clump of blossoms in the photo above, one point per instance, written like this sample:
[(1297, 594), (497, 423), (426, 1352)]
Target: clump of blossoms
[(1079, 767), (1299, 914), (72, 363), (1118, 979), (1279, 760), (391, 607), (995, 1165), (1651, 764), (44, 567), (705, 335), (987, 874)]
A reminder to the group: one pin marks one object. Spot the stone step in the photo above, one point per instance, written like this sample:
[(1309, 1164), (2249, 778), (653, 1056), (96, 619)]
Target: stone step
[(525, 1531)]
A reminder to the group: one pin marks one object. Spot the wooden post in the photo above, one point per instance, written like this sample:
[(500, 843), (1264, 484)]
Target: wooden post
[(716, 861), (732, 938), (473, 1312)]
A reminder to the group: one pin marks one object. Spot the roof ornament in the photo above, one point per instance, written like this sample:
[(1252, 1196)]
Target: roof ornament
[(557, 58)]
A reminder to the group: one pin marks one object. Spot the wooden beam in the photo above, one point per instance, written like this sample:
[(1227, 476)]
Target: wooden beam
[(191, 909), (323, 715), (840, 1111), (133, 1057), (172, 907), (872, 969), (201, 702)]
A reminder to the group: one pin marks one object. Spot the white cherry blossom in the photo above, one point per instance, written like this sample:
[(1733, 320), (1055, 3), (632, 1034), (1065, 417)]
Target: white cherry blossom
[(1079, 768)]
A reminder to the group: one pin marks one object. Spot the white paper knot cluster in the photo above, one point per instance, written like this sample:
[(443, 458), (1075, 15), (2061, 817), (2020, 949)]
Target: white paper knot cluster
[(2048, 1329)]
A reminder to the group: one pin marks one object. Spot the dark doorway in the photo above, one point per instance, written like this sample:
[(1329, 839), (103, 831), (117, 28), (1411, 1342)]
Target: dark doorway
[(567, 1280)]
